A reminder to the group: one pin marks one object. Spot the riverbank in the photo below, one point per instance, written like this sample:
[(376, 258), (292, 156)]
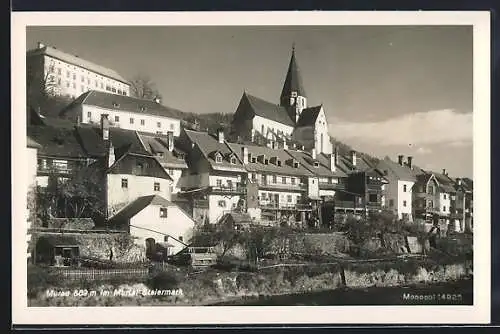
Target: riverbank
[(215, 287), (451, 293)]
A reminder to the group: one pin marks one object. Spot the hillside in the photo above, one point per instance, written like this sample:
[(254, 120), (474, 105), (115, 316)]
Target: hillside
[(211, 122)]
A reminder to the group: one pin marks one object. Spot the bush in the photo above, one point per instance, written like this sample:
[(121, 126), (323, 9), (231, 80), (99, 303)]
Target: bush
[(163, 280), (39, 279)]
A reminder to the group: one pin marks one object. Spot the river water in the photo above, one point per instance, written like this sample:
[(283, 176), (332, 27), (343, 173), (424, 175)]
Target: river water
[(451, 293)]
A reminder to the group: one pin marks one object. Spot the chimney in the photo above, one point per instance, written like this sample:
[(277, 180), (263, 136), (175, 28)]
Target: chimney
[(170, 141), (157, 99), (409, 161), (313, 153), (244, 153), (353, 158), (40, 45), (221, 136), (105, 126), (333, 161), (459, 181), (400, 159), (111, 155), (444, 171)]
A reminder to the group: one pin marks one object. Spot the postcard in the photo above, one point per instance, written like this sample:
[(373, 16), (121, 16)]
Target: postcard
[(321, 167)]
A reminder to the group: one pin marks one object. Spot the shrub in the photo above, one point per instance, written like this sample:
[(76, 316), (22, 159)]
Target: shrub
[(39, 279), (163, 280)]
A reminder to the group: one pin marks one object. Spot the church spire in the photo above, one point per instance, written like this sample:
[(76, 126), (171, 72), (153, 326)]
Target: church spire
[(293, 95)]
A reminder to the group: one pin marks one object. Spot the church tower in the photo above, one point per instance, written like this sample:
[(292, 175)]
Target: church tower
[(293, 96)]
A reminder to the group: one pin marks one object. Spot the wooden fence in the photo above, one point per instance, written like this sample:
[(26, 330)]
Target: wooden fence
[(99, 274)]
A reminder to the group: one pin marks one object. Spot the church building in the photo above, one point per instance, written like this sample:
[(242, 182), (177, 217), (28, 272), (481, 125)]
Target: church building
[(290, 123)]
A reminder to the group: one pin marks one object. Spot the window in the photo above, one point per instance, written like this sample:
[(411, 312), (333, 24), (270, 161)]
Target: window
[(131, 120), (444, 196), (170, 172), (254, 159), (218, 158), (74, 76), (142, 122), (67, 74), (404, 204), (59, 71), (96, 84), (219, 183), (404, 188), (89, 115), (67, 84), (113, 90), (283, 180), (74, 85), (159, 132), (293, 180), (233, 160), (165, 238), (117, 118), (221, 204), (289, 198), (102, 85), (180, 238), (275, 179), (372, 198), (83, 88), (263, 179), (444, 208), (58, 81), (163, 212), (83, 79), (430, 190), (230, 184), (171, 126), (51, 69), (119, 91), (391, 203), (266, 162), (294, 94), (124, 183), (158, 124), (88, 81), (157, 186), (262, 129), (279, 163)]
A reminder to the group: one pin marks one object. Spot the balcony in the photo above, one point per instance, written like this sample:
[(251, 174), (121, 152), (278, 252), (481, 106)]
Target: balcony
[(284, 206), (200, 203), (331, 186), (283, 186), (229, 189), (53, 170)]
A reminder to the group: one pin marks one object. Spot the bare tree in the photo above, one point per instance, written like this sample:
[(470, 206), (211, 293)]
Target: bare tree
[(143, 87)]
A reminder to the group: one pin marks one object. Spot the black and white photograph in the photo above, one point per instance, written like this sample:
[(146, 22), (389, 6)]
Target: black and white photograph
[(268, 161)]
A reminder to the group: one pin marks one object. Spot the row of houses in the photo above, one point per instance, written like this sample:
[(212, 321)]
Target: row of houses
[(276, 165)]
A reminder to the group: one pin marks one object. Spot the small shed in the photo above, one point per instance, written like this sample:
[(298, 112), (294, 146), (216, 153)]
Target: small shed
[(57, 250)]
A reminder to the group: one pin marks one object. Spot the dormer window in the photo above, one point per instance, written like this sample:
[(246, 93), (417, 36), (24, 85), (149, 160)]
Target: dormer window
[(295, 164), (279, 163), (233, 160), (316, 164), (143, 108), (266, 161), (218, 158), (294, 94), (116, 105), (254, 159)]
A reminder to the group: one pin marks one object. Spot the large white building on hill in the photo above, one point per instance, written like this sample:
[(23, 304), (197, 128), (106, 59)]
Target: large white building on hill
[(63, 74)]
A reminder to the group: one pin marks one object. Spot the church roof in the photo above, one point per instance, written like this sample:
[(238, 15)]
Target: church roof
[(293, 80), (308, 116), (268, 110)]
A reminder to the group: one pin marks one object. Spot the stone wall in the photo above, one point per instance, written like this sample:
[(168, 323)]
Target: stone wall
[(319, 243), (98, 245)]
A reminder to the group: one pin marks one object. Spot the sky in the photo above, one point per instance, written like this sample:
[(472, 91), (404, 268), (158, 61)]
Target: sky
[(386, 90)]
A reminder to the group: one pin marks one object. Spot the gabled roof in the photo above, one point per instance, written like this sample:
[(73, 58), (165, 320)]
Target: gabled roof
[(125, 103), (305, 159), (137, 206), (308, 116), (268, 110), (158, 146), (258, 166), (57, 142), (293, 80), (75, 60), (445, 183), (208, 145), (122, 139), (402, 173)]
